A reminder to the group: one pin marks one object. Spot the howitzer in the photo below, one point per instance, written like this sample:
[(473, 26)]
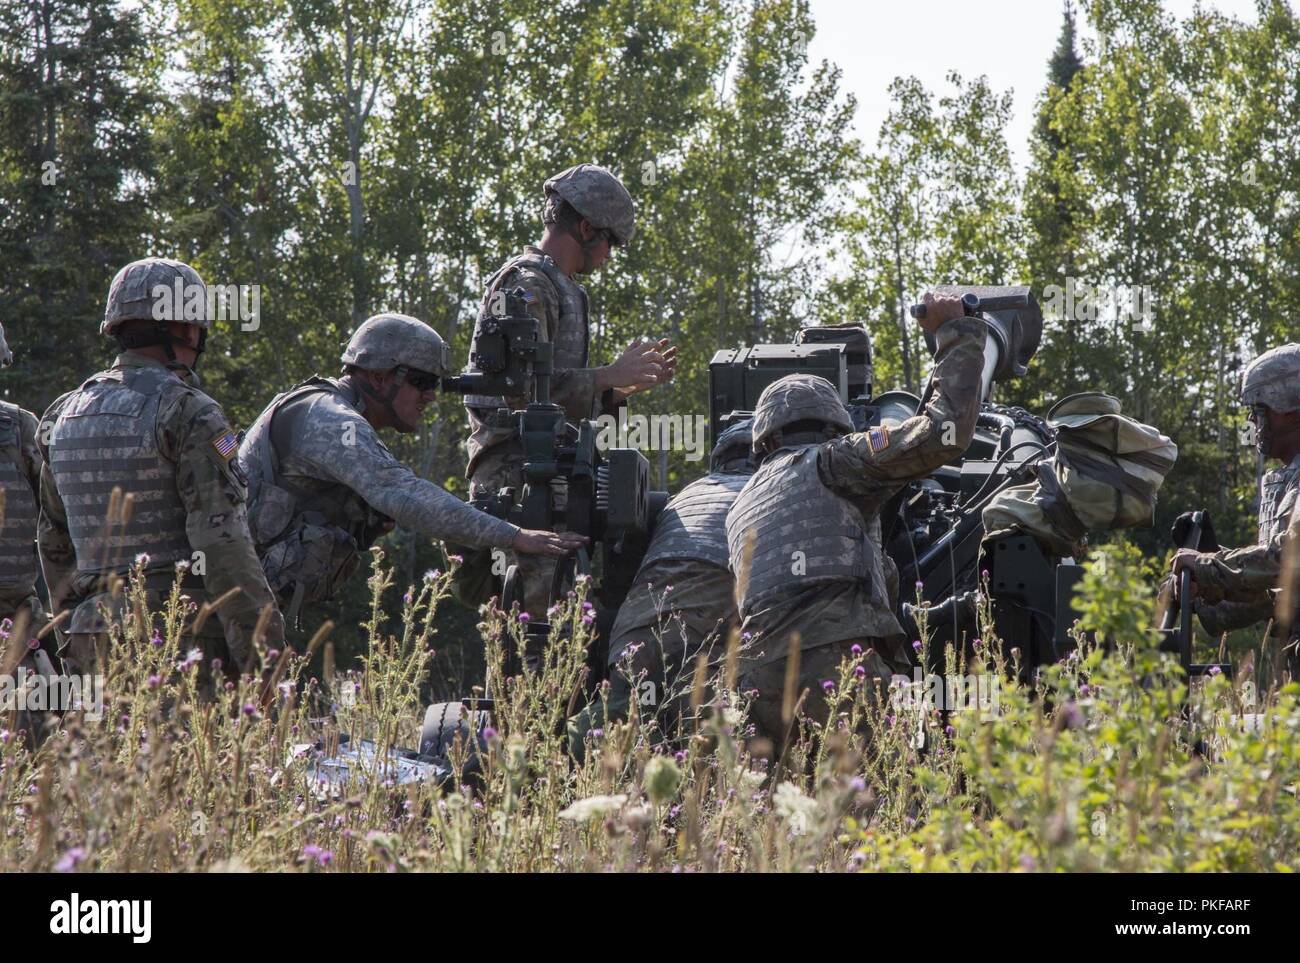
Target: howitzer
[(932, 529), (608, 496)]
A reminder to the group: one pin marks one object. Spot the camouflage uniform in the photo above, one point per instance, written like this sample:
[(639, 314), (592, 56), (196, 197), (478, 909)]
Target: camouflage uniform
[(324, 486), (1237, 588), (824, 500), (496, 453), (142, 428), (683, 595), (559, 304)]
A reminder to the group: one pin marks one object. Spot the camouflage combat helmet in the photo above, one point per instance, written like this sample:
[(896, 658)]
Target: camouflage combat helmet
[(387, 341), (598, 196), (1273, 379), (733, 445), (798, 397), (131, 295), (6, 356)]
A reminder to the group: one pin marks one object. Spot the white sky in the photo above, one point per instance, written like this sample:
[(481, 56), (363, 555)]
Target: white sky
[(873, 42)]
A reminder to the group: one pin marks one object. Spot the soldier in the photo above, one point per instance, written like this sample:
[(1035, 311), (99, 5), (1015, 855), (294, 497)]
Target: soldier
[(683, 594), (21, 613), (588, 213), (1234, 588), (804, 534), (323, 486), (140, 469)]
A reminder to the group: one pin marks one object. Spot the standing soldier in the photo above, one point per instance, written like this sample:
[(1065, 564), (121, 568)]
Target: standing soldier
[(588, 213), (21, 613), (1236, 587), (804, 535), (140, 469), (323, 486), (682, 597)]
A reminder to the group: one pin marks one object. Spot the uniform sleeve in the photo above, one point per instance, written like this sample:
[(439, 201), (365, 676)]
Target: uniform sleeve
[(876, 462), (1241, 574), (213, 491), (53, 541), (573, 389), (418, 505)]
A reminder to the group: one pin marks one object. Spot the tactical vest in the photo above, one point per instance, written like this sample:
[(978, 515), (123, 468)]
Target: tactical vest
[(105, 439), (694, 523), (1277, 497), (308, 540), (571, 330), (803, 533), (18, 533)]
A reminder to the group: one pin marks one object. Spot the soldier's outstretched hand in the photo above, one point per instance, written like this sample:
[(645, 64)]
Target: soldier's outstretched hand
[(939, 310), (531, 542), (1185, 558), (642, 365)]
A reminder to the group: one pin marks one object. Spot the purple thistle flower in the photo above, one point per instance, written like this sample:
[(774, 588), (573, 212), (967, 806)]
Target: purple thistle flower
[(1215, 670), (154, 681), (489, 733), (860, 671), (68, 862), (857, 784), (680, 756), (157, 640), (916, 645), (597, 733), (524, 616), (949, 731), (828, 686), (249, 709), (855, 649)]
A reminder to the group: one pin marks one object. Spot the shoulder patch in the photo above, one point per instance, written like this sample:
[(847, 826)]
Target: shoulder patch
[(226, 445), (878, 439)]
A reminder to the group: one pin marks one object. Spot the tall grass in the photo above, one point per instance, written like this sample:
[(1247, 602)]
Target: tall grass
[(1104, 762)]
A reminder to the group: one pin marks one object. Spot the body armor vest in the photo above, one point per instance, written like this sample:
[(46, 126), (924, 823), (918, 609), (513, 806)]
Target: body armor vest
[(105, 439), (803, 532), (307, 538), (694, 523), (571, 329), (1277, 498), (18, 533)]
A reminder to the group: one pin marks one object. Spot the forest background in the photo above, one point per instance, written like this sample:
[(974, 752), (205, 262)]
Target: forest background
[(388, 155)]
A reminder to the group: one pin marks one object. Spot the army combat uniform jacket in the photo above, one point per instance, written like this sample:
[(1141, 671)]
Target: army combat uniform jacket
[(804, 535), (20, 481), (323, 486), (140, 465), (1235, 586)]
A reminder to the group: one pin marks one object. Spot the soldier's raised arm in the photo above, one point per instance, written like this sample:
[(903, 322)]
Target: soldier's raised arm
[(876, 461)]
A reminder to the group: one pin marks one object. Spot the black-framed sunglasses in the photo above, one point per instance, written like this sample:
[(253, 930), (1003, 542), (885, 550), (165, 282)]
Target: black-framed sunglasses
[(421, 380), (610, 238)]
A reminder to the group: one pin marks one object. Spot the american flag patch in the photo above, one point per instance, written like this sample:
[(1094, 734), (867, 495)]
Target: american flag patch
[(226, 445), (878, 439)]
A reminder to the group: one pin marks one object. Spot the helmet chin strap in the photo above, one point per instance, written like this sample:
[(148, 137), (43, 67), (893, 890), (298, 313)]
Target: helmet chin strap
[(386, 401), (161, 336)]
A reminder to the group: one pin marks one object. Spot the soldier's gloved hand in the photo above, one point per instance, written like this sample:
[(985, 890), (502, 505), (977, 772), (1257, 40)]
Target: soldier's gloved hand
[(642, 365), (547, 543), (939, 311)]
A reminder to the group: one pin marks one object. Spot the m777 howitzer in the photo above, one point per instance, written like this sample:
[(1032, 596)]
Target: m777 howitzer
[(608, 496), (1005, 507)]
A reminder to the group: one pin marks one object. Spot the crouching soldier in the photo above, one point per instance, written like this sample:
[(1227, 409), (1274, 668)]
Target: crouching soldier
[(323, 486), (804, 534), (140, 470), (682, 602)]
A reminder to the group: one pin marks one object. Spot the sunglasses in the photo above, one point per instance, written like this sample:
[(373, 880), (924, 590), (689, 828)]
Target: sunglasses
[(421, 380), (610, 238)]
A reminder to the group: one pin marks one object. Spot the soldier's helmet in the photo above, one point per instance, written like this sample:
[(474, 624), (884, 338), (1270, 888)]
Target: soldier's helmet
[(146, 290), (1273, 379), (597, 195), (6, 356), (733, 446), (387, 341), (795, 398)]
